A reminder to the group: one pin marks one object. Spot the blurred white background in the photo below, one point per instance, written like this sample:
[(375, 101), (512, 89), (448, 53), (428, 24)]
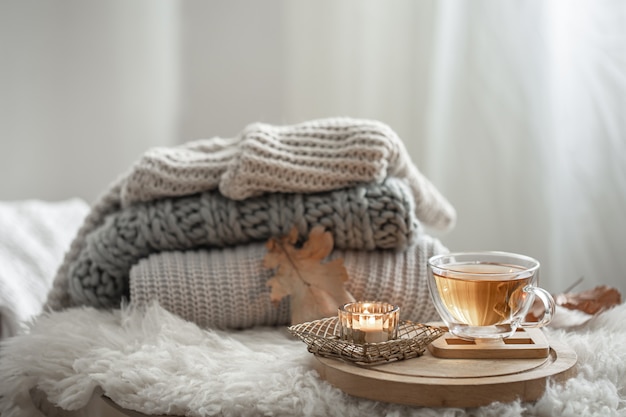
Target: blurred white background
[(516, 110)]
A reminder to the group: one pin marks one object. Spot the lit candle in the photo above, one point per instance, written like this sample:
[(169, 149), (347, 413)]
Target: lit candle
[(368, 322), (372, 328)]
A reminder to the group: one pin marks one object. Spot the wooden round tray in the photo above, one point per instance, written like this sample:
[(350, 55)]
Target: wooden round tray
[(435, 382)]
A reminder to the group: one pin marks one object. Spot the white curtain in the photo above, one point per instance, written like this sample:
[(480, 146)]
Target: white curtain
[(85, 87), (516, 110)]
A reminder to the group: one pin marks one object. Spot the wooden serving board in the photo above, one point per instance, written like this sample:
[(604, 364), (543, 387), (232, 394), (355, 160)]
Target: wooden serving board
[(437, 382)]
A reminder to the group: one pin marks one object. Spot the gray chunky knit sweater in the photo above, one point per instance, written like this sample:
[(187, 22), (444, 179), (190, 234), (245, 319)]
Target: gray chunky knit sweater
[(365, 217)]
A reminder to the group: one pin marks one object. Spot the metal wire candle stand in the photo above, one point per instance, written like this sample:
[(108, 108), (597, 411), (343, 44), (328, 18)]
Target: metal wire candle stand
[(323, 338)]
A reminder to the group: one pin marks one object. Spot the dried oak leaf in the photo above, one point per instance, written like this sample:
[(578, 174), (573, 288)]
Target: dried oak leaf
[(592, 301), (316, 289)]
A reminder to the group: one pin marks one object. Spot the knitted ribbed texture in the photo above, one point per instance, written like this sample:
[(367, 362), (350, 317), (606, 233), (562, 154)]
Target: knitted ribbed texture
[(109, 202), (309, 157), (226, 288), (366, 217)]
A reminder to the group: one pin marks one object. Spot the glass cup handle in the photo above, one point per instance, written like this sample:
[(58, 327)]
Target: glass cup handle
[(548, 303)]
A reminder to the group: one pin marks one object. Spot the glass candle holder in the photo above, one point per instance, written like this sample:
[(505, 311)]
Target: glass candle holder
[(369, 322)]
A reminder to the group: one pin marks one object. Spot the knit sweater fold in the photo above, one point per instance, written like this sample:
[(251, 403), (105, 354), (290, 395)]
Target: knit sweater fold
[(314, 156), (365, 217), (227, 288), (311, 157)]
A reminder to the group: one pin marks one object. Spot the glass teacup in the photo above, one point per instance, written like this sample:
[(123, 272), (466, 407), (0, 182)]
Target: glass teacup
[(486, 295)]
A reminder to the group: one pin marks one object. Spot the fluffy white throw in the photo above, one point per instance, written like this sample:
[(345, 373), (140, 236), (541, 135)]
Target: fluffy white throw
[(314, 156), (156, 363), (34, 236)]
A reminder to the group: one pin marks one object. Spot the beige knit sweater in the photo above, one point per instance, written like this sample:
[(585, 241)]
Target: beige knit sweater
[(227, 288), (318, 155)]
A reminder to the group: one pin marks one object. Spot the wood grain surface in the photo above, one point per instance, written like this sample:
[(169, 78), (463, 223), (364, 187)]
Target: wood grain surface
[(438, 382)]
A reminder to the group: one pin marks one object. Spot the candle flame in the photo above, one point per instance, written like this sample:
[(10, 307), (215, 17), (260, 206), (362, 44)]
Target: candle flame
[(368, 322)]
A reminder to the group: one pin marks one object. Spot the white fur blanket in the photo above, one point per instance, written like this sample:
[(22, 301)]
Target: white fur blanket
[(151, 361), (34, 235)]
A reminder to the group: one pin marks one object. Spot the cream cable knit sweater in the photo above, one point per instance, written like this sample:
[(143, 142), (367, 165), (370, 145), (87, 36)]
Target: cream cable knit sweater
[(312, 156), (226, 288)]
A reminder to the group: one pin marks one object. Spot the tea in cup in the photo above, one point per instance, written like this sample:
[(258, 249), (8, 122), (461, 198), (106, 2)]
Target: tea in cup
[(486, 295)]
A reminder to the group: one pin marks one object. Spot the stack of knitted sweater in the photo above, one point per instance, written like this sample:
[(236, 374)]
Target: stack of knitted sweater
[(186, 226)]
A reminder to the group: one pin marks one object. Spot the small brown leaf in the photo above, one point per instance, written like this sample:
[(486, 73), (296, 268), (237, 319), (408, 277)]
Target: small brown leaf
[(316, 289), (592, 301)]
